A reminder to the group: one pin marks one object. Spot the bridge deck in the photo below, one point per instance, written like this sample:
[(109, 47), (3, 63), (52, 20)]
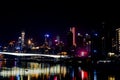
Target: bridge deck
[(34, 54)]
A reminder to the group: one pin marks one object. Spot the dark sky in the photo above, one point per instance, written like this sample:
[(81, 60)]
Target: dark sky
[(38, 18)]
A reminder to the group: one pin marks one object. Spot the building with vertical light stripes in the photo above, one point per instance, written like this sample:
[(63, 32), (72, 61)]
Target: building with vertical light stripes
[(118, 40)]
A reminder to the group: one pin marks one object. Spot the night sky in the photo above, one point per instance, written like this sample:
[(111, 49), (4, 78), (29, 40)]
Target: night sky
[(38, 18)]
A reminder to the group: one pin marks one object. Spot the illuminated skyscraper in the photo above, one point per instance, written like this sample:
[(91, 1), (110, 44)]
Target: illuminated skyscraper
[(18, 46), (74, 38), (23, 39), (118, 40), (71, 41)]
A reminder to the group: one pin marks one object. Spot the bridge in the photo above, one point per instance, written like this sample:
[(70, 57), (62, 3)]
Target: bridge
[(34, 54)]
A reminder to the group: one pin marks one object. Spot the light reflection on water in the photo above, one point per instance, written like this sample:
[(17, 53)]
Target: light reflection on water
[(111, 77), (22, 70)]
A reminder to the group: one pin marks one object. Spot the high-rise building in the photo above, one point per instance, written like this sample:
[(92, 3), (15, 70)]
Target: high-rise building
[(118, 40), (88, 42), (22, 39), (106, 37), (74, 37), (96, 46), (101, 40), (79, 40), (30, 43), (69, 39), (18, 45), (58, 38), (47, 38)]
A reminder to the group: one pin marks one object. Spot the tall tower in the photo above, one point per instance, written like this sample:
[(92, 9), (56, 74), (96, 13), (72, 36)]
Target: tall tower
[(19, 45), (88, 42), (58, 38), (79, 40), (118, 40), (22, 39), (69, 39), (47, 39), (106, 37), (74, 38)]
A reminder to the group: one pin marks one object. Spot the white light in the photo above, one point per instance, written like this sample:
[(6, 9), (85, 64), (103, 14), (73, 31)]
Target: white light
[(30, 54), (47, 35), (78, 34), (56, 40), (86, 34)]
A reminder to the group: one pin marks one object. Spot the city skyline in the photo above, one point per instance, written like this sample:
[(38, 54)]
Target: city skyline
[(38, 19)]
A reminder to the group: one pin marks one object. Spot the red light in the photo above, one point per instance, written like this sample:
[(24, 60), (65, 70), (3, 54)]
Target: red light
[(84, 75), (83, 53), (11, 78), (55, 78)]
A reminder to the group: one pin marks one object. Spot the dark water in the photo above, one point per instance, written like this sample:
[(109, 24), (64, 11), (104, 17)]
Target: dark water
[(25, 70)]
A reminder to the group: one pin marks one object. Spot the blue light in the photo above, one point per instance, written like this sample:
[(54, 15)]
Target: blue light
[(94, 51), (18, 77), (47, 35), (95, 75), (96, 34), (18, 48)]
